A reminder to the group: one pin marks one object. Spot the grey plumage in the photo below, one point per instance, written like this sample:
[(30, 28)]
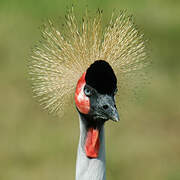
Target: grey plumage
[(90, 169)]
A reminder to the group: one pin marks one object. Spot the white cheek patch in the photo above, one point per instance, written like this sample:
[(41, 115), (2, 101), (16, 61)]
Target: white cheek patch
[(81, 95), (82, 101)]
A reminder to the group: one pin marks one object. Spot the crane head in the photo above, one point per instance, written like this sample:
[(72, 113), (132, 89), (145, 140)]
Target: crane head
[(95, 92), (94, 98)]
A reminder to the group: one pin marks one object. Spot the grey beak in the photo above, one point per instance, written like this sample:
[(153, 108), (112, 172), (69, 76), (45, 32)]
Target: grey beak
[(108, 107), (115, 115)]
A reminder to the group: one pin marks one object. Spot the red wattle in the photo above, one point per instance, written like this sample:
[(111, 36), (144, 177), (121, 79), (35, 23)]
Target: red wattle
[(92, 144)]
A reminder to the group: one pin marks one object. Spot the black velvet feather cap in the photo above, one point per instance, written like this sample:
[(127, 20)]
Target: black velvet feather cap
[(101, 77)]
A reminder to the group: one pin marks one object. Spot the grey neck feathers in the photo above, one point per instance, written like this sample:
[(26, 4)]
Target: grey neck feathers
[(86, 168)]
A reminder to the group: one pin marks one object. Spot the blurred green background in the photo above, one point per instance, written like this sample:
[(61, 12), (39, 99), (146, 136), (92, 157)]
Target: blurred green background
[(144, 145)]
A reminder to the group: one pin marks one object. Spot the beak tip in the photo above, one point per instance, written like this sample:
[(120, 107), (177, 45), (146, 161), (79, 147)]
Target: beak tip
[(116, 119)]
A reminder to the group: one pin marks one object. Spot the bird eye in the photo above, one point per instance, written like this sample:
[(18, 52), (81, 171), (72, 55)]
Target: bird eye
[(87, 92)]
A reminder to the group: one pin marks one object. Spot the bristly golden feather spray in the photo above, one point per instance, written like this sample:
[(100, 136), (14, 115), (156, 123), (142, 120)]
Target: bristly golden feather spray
[(62, 56)]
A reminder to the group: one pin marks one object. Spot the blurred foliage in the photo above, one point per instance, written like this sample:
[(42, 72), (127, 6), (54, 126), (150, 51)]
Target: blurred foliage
[(144, 145)]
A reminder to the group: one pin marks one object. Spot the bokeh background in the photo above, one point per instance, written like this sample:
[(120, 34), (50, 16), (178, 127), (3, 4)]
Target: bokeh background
[(145, 145)]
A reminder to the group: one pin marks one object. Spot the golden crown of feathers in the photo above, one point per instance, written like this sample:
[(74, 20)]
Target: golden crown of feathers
[(63, 55)]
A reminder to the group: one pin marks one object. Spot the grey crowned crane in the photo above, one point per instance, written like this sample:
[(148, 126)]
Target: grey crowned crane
[(83, 58)]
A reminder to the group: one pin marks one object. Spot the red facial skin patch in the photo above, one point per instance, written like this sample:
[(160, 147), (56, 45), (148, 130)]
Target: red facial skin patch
[(81, 100), (92, 143)]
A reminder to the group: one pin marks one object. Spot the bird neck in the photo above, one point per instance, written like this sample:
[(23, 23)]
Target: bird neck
[(90, 168)]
